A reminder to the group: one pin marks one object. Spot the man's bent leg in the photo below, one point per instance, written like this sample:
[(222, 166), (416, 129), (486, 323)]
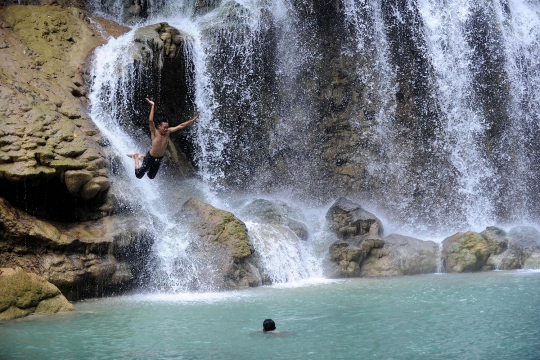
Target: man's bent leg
[(154, 168), (140, 171)]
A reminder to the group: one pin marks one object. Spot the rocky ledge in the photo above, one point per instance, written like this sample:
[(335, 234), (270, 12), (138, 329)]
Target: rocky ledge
[(363, 250)]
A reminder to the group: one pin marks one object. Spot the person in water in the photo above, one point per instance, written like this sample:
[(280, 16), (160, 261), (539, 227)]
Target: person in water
[(269, 325), (160, 132)]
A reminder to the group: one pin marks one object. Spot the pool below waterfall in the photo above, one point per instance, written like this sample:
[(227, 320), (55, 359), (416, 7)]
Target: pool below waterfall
[(494, 315)]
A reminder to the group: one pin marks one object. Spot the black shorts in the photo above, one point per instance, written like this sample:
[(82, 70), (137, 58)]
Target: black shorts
[(150, 164)]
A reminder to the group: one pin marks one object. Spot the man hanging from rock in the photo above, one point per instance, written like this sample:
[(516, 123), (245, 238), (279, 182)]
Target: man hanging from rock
[(160, 132)]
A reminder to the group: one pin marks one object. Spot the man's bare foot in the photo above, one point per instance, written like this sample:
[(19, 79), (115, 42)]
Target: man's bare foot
[(134, 155)]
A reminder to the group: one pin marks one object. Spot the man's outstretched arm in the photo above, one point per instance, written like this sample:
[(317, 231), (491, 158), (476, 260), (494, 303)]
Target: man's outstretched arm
[(184, 124), (151, 118)]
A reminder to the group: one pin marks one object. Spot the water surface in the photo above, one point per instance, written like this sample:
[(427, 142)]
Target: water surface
[(493, 315)]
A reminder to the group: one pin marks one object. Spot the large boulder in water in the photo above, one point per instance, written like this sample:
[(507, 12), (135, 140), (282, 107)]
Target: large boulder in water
[(467, 251), (348, 219), (220, 242), (519, 248), (502, 258), (402, 255), (22, 293), (348, 255), (524, 241), (359, 232)]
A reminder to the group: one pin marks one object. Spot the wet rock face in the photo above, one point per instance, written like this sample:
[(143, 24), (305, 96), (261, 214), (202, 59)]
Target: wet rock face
[(362, 251), (220, 242), (359, 231), (49, 147), (23, 293), (86, 259), (278, 213), (348, 256), (492, 249)]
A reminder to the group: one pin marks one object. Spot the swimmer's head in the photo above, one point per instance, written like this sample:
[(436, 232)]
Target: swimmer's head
[(269, 325)]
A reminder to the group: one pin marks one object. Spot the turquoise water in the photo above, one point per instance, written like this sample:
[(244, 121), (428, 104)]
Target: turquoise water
[(493, 315)]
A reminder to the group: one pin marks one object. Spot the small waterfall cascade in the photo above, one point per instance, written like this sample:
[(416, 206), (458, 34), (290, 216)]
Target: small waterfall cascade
[(373, 49), (486, 83), (114, 76)]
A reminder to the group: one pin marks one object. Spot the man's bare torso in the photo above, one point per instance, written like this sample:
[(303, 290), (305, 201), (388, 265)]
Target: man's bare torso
[(159, 144)]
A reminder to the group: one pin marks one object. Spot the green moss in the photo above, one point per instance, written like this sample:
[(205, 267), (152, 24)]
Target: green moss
[(233, 232)]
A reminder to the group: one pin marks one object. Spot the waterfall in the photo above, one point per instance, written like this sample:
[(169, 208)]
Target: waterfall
[(115, 79), (520, 38), (426, 111), (486, 83), (451, 55)]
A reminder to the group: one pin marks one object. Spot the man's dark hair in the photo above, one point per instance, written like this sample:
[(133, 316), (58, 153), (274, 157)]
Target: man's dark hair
[(269, 325), (160, 121)]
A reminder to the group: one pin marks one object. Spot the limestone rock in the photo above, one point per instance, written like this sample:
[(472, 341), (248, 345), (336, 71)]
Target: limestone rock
[(347, 219), (23, 293), (45, 128), (348, 255), (84, 259), (502, 258), (75, 179), (466, 252), (402, 255), (524, 240), (221, 242), (519, 248)]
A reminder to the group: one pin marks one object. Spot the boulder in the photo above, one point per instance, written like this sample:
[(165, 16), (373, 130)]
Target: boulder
[(532, 262), (524, 241), (220, 242), (517, 249), (348, 219), (23, 293), (277, 213), (402, 255), (466, 252), (347, 255), (502, 258)]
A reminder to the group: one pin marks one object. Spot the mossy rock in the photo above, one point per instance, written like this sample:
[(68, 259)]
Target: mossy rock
[(23, 293), (465, 252)]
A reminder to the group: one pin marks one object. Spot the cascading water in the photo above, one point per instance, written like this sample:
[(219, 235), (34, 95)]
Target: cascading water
[(451, 55), (444, 117), (520, 37), (485, 64), (115, 78)]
